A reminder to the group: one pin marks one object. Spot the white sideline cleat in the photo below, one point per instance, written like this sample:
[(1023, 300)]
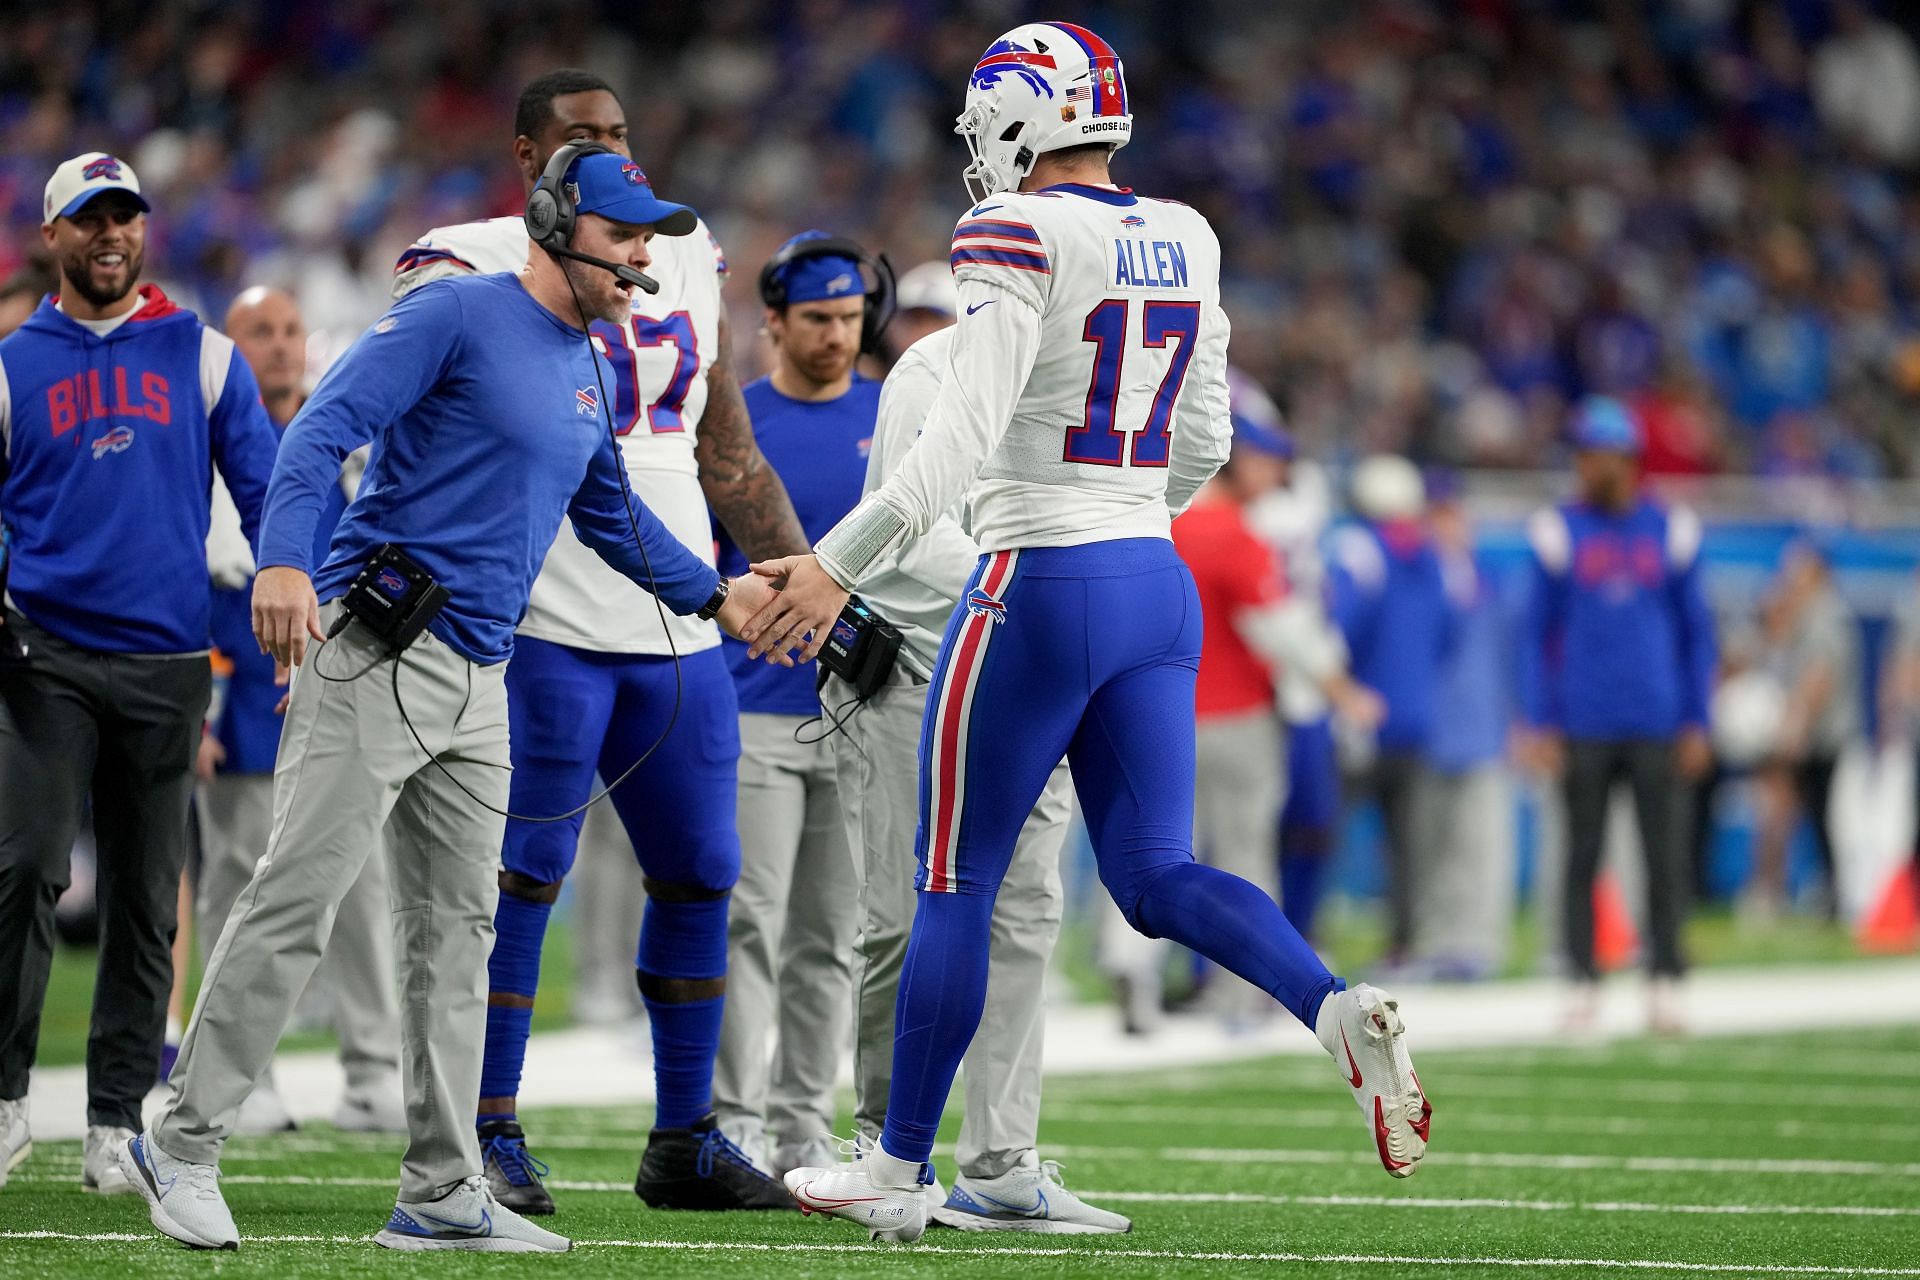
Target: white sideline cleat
[(1362, 1030), (16, 1141), (896, 1213), (183, 1198), (467, 1218), (1027, 1197), (100, 1170)]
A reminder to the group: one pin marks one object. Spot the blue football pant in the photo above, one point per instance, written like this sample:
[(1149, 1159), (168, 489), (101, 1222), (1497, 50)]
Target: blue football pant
[(576, 712), (1091, 653)]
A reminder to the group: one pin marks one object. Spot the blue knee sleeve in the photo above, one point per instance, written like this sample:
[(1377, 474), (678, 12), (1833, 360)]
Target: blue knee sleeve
[(684, 939), (943, 987), (519, 927), (1238, 927)]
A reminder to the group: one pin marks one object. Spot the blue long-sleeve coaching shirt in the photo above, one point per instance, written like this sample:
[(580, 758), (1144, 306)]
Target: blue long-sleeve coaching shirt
[(1619, 642), (489, 424), (1387, 593), (109, 447), (820, 449)]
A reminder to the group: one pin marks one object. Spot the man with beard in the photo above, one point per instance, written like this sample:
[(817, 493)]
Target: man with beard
[(484, 401), (115, 408)]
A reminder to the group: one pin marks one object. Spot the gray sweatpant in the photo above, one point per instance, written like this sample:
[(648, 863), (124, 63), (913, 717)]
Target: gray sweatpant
[(790, 935), (1466, 882), (236, 821), (349, 766), (878, 760)]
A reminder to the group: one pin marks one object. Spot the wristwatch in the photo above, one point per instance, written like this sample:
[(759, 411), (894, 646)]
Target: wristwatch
[(707, 611)]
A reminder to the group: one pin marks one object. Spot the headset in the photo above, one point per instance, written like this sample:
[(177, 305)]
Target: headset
[(550, 214), (880, 296)]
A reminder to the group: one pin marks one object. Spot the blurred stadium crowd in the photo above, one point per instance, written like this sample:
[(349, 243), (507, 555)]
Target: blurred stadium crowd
[(1443, 223)]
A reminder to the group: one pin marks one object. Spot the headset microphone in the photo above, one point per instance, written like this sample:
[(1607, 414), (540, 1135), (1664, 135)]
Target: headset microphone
[(637, 279)]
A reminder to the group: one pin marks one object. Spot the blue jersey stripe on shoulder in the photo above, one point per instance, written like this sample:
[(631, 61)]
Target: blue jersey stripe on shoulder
[(1001, 258), (998, 229)]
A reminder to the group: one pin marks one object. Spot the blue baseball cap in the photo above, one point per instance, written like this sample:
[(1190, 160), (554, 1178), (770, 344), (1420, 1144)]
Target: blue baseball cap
[(1273, 440), (817, 278), (1602, 424), (615, 187)]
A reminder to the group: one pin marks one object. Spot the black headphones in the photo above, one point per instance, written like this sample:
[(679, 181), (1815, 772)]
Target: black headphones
[(879, 295), (550, 212)]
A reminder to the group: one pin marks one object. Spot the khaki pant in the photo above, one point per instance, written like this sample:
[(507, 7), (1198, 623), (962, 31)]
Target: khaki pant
[(878, 760), (236, 820), (349, 767), (790, 935)]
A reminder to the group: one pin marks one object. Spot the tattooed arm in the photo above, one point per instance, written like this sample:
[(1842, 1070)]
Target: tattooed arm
[(740, 485)]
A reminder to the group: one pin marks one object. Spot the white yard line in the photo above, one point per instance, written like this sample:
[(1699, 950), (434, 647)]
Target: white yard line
[(1474, 1203), (1167, 1255), (1505, 1160)]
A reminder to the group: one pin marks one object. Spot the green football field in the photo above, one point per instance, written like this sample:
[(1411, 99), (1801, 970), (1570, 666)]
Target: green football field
[(1790, 1154)]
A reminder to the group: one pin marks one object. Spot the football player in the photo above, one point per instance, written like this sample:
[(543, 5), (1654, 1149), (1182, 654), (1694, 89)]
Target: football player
[(1084, 403), (598, 674)]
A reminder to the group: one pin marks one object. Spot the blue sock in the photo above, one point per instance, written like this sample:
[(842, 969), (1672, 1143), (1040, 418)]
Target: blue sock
[(686, 941), (1237, 926), (1302, 880), (943, 987), (519, 927), (685, 1038)]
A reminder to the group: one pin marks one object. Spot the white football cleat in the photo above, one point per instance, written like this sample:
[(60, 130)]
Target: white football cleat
[(468, 1218), (1362, 1030), (894, 1209), (100, 1170), (1027, 1197), (372, 1108), (16, 1143), (183, 1199)]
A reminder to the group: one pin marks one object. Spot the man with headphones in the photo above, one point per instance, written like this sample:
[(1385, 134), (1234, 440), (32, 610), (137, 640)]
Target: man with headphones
[(599, 675), (795, 910), (488, 408)]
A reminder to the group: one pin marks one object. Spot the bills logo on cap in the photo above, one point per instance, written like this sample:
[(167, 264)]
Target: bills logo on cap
[(105, 167), (585, 401), (632, 173), (840, 283)]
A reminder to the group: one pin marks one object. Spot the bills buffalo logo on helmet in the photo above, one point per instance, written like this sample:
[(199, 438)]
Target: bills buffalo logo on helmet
[(1005, 57), (105, 167), (115, 441), (982, 604)]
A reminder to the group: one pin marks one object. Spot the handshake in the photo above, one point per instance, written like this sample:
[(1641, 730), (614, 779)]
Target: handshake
[(783, 609)]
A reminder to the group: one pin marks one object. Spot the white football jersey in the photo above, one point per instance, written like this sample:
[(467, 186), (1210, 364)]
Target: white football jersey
[(657, 384), (1084, 397)]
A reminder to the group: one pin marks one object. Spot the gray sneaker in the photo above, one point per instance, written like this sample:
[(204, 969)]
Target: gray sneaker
[(183, 1198), (1027, 1197), (467, 1217), (16, 1144), (100, 1165)]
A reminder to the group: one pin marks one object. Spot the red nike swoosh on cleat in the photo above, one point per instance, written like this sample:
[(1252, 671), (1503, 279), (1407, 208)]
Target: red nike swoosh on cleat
[(1380, 1140), (1425, 1123), (819, 1203), (1355, 1081)]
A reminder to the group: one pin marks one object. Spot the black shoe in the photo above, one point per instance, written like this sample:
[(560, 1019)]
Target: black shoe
[(698, 1168), (513, 1173)]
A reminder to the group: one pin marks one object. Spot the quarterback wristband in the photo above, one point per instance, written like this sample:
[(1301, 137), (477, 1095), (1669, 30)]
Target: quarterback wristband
[(851, 547)]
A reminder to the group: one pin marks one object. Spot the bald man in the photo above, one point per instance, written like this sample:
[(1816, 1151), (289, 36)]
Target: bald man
[(236, 771)]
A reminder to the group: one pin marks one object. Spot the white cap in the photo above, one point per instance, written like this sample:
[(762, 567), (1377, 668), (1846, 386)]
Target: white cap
[(929, 287), (1388, 487), (84, 177)]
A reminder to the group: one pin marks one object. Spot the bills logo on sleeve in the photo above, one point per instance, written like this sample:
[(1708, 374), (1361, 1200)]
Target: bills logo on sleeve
[(585, 401)]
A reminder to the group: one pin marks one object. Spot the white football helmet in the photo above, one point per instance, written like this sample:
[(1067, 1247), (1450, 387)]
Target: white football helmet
[(1038, 88)]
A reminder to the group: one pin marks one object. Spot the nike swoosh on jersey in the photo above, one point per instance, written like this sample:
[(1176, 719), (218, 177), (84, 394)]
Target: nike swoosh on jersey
[(985, 208), (976, 306)]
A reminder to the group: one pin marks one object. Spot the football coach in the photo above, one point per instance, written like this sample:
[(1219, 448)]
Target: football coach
[(485, 405)]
